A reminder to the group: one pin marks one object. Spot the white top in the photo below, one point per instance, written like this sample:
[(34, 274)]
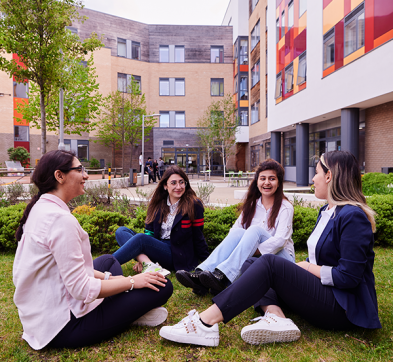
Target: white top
[(281, 232), (140, 160), (166, 226), (53, 272), (326, 271)]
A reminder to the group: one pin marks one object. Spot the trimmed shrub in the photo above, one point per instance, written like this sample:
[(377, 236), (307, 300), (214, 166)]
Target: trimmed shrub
[(9, 221), (376, 183), (383, 206), (304, 220)]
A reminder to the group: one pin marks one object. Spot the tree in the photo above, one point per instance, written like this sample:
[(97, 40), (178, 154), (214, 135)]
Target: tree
[(81, 100), (218, 127), (36, 31), (121, 120), (19, 154)]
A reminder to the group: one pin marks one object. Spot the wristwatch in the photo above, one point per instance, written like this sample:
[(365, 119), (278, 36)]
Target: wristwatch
[(132, 281), (107, 275)]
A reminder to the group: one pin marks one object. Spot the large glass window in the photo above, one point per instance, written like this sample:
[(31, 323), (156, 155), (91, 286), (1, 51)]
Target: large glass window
[(179, 54), (243, 118), (301, 73), (164, 86), (164, 119), (277, 30), (302, 7), (290, 151), (289, 78), (328, 49), (255, 35), (283, 24), (21, 90), (217, 54), (354, 30), (243, 88), (267, 150), (21, 133), (121, 47), (217, 86), (255, 74), (278, 93), (290, 15), (323, 141), (255, 156), (136, 50), (243, 51), (122, 82), (253, 4), (255, 112), (180, 119), (164, 53), (138, 81), (179, 87), (83, 150)]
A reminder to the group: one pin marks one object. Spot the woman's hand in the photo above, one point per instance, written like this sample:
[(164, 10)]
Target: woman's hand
[(311, 268), (147, 280), (138, 267)]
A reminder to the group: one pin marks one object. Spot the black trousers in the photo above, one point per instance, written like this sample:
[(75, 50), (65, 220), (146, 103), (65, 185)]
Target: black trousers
[(113, 315), (271, 280)]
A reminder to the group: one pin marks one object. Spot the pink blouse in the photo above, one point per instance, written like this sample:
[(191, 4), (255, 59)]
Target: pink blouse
[(53, 272)]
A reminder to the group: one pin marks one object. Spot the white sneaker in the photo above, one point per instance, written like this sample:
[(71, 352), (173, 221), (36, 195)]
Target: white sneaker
[(269, 329), (154, 267), (190, 330), (152, 318)]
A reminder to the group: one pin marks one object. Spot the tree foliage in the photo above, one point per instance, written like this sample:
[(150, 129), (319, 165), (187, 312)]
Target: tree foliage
[(36, 31)]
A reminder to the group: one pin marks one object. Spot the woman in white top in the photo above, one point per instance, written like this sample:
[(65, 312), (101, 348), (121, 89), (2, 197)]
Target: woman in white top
[(64, 298), (264, 227)]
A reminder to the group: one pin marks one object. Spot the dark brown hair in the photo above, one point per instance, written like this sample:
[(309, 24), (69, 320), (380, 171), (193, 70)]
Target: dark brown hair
[(253, 194), (158, 202), (44, 178)]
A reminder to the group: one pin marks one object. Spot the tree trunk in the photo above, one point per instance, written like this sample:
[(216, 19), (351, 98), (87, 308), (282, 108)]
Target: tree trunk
[(43, 122), (131, 155), (223, 160), (113, 154)]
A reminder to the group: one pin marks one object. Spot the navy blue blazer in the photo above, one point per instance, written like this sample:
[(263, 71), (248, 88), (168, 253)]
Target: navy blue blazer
[(346, 244), (188, 245)]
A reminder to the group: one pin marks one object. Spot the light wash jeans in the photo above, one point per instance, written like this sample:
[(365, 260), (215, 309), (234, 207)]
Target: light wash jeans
[(235, 249)]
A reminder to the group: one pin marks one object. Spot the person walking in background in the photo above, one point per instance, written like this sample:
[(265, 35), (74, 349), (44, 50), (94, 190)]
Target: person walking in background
[(155, 170), (161, 167)]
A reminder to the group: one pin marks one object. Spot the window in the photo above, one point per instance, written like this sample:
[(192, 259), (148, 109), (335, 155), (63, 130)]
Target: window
[(289, 78), (278, 86), (283, 24), (164, 86), (302, 7), (255, 156), (121, 47), (290, 151), (83, 150), (72, 30), (164, 119), (277, 30), (243, 51), (217, 54), (253, 4), (122, 82), (267, 149), (164, 53), (354, 30), (136, 50), (180, 119), (21, 90), (21, 133), (243, 88), (266, 17), (217, 87), (243, 118), (179, 54), (290, 15), (255, 113), (328, 49), (179, 87), (255, 74), (255, 35), (301, 73)]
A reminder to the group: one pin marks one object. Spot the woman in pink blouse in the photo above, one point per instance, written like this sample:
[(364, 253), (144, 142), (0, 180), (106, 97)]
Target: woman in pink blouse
[(64, 298)]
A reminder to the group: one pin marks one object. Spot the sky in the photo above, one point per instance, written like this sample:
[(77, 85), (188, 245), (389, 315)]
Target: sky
[(179, 12)]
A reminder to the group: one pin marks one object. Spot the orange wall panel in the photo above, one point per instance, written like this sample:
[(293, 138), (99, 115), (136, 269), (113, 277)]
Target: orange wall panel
[(19, 115), (332, 14), (383, 38)]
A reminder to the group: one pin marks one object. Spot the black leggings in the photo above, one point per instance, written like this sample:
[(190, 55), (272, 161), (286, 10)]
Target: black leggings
[(113, 315), (271, 280)]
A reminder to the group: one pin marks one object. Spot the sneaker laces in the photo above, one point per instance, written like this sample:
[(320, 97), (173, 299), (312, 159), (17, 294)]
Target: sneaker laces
[(188, 321)]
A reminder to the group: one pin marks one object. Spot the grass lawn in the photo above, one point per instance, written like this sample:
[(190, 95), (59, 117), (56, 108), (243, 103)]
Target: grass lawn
[(144, 344)]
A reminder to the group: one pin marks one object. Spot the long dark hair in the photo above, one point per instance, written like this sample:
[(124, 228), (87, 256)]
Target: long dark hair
[(346, 185), (253, 194), (44, 178), (158, 202)]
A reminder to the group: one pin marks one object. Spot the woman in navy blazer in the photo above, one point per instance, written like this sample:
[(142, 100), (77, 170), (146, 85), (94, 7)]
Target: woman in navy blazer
[(173, 234), (333, 289)]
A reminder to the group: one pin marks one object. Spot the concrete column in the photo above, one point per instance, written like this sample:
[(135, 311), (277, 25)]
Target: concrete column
[(350, 131), (302, 155), (275, 146)]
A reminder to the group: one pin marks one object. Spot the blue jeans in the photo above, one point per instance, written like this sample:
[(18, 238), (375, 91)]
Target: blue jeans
[(235, 249), (133, 244)]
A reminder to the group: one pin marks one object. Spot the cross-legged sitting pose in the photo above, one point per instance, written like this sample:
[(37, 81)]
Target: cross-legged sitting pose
[(333, 289), (264, 226), (173, 234), (64, 298)]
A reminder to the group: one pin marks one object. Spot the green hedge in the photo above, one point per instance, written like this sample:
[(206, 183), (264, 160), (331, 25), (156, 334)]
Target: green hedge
[(376, 183), (101, 225)]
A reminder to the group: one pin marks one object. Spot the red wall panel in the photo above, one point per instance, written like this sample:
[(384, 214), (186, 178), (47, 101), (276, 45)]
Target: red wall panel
[(22, 144), (339, 45), (326, 3), (288, 42), (383, 17), (282, 58), (300, 44), (347, 7), (369, 26)]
